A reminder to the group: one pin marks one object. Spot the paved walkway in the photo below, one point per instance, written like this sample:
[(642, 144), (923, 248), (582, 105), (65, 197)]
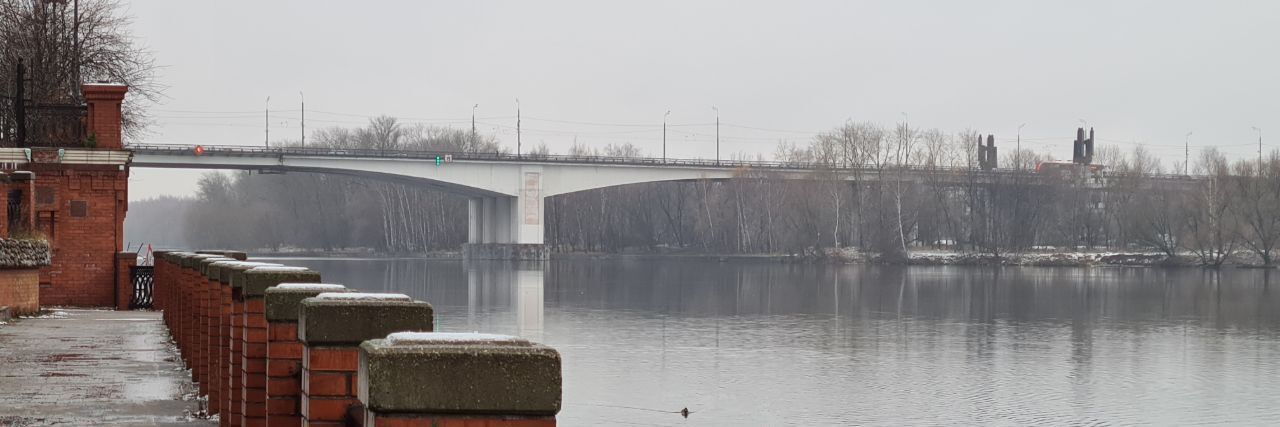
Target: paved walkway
[(90, 367)]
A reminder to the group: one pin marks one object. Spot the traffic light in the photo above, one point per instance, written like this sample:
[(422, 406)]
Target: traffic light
[(439, 160)]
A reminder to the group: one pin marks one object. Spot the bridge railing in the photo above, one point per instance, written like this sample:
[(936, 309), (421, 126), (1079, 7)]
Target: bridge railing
[(248, 151)]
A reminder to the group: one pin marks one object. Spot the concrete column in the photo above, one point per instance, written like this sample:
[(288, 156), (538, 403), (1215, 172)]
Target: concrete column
[(254, 346), (284, 351), (530, 207), (502, 220), (331, 326), (473, 220), (433, 379), (488, 232)]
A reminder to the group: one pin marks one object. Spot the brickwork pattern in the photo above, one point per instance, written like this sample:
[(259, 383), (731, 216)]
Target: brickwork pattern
[(20, 290)]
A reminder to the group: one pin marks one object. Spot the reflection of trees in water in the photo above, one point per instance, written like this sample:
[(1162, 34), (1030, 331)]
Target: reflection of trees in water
[(1082, 299)]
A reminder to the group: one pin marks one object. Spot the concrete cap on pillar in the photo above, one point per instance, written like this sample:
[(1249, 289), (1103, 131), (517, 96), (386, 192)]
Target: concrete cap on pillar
[(213, 271), (284, 299), (346, 319), (177, 257), (258, 279), (193, 261), (203, 264), (453, 373), (237, 255), (229, 273)]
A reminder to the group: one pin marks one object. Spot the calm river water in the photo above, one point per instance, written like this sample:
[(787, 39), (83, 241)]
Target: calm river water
[(777, 344)]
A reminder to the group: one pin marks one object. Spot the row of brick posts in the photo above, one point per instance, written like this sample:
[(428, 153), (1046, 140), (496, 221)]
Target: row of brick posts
[(269, 345)]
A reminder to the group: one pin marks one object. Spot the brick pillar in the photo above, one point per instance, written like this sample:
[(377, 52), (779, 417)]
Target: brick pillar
[(196, 329), (207, 327), (254, 346), (451, 379), (217, 342), (102, 120), (284, 351), (162, 286), (331, 326), (233, 380), (217, 339), (124, 281)]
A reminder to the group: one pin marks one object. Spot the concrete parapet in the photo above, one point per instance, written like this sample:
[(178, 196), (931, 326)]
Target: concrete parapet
[(434, 378)]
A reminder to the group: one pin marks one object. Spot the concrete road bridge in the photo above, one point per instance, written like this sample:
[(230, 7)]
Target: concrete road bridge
[(506, 192)]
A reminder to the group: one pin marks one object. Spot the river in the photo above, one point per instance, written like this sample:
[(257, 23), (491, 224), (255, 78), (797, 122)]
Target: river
[(781, 344)]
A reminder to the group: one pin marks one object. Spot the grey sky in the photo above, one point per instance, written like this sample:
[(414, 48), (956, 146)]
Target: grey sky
[(1139, 71)]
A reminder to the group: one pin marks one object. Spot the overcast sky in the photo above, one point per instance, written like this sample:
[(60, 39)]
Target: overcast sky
[(605, 72)]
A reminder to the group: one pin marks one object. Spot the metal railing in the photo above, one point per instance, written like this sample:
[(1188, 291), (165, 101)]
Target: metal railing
[(143, 279)]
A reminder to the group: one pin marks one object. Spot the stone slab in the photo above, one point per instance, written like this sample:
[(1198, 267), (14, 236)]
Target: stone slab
[(283, 303), (458, 375), (236, 255), (257, 280), (341, 322)]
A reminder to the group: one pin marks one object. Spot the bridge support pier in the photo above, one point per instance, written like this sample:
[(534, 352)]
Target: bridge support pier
[(506, 227)]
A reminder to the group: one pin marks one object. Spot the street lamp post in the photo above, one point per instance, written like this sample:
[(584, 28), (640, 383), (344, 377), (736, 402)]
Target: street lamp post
[(517, 128), (473, 125), (717, 133), (266, 124), (1259, 149), (664, 136), (304, 118), (1186, 155), (1018, 150)]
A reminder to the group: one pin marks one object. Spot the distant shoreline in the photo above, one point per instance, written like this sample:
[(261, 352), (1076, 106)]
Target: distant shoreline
[(917, 258)]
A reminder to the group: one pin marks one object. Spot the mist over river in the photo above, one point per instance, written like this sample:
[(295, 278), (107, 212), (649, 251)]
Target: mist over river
[(755, 343)]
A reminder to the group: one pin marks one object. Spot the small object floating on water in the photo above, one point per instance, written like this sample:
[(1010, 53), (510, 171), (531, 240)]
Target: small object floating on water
[(684, 412)]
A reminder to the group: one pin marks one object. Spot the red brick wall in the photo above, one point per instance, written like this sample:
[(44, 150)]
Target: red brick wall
[(124, 292), (20, 290), (83, 271), (103, 117)]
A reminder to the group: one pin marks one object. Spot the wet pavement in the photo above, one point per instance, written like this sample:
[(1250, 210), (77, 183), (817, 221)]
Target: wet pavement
[(93, 367)]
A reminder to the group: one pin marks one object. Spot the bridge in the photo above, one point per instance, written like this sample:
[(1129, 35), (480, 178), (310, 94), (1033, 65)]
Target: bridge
[(506, 192)]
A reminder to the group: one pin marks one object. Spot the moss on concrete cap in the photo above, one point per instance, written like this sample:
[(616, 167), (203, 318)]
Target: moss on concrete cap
[(176, 257), (237, 255), (258, 279), (229, 273), (346, 319), (214, 270), (284, 299), (203, 264), (192, 261), (474, 374)]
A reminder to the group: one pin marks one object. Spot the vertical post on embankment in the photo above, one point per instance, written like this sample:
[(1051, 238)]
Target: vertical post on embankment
[(125, 261), (331, 326), (434, 379), (284, 351), (204, 317), (219, 334), (163, 285), (216, 345), (233, 383), (254, 345)]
